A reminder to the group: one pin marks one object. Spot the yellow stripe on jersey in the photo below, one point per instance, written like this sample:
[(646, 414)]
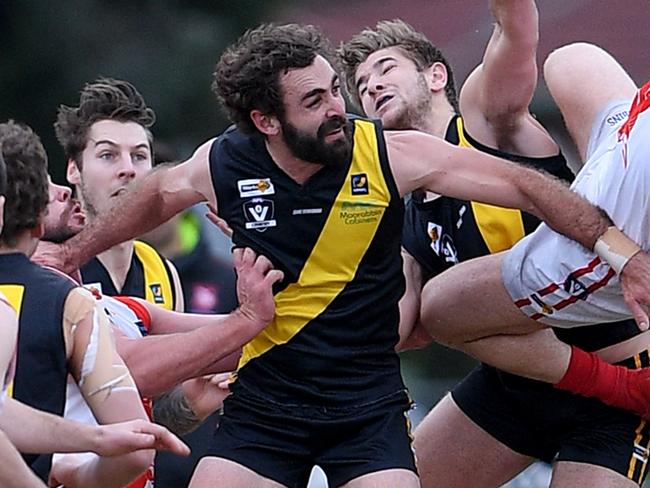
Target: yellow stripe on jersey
[(500, 227), (14, 295), (331, 264), (157, 282)]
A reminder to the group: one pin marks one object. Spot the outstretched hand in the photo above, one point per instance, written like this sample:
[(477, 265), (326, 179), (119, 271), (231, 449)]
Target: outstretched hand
[(255, 279), (635, 283), (124, 437)]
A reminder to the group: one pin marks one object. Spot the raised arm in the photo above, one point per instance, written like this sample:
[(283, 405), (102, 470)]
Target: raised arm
[(162, 194), (495, 98)]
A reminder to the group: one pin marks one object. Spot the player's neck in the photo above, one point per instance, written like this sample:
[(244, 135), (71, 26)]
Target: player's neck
[(437, 121), (117, 261), (25, 244)]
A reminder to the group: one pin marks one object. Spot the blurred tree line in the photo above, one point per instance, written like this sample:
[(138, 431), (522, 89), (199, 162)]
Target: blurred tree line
[(166, 48)]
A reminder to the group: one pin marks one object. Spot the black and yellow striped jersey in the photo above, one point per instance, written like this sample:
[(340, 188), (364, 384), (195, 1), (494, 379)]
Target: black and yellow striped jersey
[(443, 231), (337, 239), (149, 277), (38, 295)]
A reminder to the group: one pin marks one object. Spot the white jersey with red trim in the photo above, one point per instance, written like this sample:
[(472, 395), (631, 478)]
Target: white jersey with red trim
[(129, 323), (557, 281)]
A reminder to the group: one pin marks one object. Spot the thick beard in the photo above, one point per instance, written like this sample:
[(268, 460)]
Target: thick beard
[(314, 149)]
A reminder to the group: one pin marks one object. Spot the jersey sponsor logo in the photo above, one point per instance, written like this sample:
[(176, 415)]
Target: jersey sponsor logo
[(616, 118), (574, 287), (156, 290), (360, 212), (255, 187), (359, 184), (259, 214)]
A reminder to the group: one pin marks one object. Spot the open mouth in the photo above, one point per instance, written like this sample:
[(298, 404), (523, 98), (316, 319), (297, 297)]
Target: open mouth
[(381, 101), (118, 192)]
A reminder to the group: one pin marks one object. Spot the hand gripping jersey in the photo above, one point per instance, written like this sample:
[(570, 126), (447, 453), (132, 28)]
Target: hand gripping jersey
[(337, 240), (557, 281)]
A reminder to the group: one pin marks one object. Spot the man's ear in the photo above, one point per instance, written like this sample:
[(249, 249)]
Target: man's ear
[(73, 174), (269, 125), (437, 77)]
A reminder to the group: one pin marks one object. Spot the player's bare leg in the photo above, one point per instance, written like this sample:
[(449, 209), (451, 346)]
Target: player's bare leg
[(213, 471), (448, 446)]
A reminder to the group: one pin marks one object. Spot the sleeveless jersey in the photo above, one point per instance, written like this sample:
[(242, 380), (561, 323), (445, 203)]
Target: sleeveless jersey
[(337, 240), (559, 282), (148, 277), (441, 232), (38, 295)]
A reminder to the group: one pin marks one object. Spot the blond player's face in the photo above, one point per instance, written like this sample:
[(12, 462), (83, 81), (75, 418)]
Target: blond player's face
[(392, 89)]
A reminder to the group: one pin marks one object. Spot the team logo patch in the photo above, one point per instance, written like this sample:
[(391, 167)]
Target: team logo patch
[(156, 291), (574, 287), (434, 231), (255, 187), (259, 214), (359, 183)]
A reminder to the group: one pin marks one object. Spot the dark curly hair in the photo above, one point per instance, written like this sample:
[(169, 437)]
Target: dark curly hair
[(27, 180), (393, 33), (247, 76), (103, 99)]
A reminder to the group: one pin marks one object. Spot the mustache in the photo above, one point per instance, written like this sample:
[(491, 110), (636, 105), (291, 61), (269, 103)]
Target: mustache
[(331, 125)]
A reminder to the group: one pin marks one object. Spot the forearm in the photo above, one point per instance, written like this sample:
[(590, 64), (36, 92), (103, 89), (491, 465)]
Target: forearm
[(14, 473), (563, 210), (517, 19), (34, 431), (137, 211), (113, 472), (158, 363)]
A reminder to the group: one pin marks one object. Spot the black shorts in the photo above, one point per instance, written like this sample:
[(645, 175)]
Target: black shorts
[(284, 442), (540, 421)]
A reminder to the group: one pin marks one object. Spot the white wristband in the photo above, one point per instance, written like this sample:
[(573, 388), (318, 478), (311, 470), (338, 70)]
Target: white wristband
[(616, 248)]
